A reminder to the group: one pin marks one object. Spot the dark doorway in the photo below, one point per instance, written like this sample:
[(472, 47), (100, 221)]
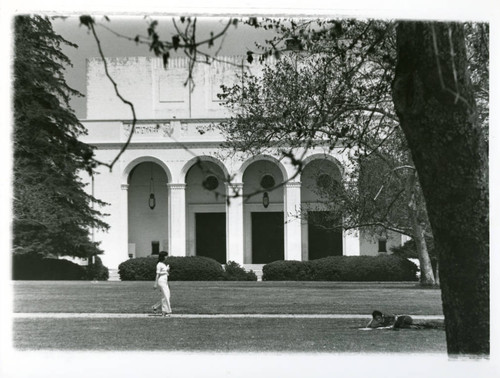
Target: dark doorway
[(323, 239), (267, 237), (211, 236)]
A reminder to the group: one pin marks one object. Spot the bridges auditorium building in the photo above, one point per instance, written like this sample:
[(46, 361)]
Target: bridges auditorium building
[(161, 199)]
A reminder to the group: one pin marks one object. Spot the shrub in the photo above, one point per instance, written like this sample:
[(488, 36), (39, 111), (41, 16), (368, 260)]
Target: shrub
[(287, 271), (97, 271), (343, 268), (327, 269), (409, 249), (32, 266), (234, 272), (195, 268), (138, 269), (364, 268)]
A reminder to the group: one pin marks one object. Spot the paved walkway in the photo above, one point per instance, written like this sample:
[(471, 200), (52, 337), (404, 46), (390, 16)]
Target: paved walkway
[(55, 315)]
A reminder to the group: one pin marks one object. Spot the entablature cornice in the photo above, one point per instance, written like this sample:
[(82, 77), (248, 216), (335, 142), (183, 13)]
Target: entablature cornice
[(156, 120), (157, 146)]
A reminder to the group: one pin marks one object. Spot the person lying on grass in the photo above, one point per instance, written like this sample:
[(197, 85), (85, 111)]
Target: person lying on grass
[(386, 321)]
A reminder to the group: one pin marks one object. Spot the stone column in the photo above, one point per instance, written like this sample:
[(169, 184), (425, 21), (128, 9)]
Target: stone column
[(293, 229), (234, 224), (177, 219), (123, 224), (351, 243)]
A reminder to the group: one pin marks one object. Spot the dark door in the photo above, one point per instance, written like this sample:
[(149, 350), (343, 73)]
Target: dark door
[(211, 236), (267, 237), (323, 239)]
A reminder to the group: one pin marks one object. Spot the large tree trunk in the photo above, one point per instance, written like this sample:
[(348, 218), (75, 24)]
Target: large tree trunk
[(435, 104), (426, 274)]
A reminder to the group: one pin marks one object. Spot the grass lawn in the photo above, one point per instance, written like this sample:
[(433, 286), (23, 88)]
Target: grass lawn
[(223, 334), (216, 297)]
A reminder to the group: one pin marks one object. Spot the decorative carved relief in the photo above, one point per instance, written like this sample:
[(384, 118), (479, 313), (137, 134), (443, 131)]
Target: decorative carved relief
[(160, 129)]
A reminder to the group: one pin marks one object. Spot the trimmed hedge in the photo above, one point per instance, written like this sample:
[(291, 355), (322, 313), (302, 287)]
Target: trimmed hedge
[(234, 272), (342, 268), (31, 266), (289, 270), (138, 269), (192, 268)]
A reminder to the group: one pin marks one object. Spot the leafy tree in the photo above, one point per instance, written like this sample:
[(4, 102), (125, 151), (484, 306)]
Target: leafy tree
[(52, 211), (336, 92), (446, 131)]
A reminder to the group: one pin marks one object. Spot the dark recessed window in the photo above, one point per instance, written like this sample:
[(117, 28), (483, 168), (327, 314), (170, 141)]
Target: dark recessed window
[(324, 181), (267, 182), (382, 245), (211, 183), (155, 247)]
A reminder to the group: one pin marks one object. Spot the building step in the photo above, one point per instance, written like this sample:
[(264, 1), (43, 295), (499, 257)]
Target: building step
[(257, 269), (113, 275)]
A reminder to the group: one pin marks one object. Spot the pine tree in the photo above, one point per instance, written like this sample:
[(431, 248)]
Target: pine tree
[(53, 215)]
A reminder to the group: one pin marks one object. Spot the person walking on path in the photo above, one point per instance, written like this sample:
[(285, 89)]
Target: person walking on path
[(162, 271)]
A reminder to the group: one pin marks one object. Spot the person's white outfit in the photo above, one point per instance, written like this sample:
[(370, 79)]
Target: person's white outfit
[(162, 280)]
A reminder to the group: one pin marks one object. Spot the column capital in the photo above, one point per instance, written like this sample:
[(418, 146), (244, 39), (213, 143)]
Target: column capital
[(236, 187), (124, 186), (293, 184), (176, 186)]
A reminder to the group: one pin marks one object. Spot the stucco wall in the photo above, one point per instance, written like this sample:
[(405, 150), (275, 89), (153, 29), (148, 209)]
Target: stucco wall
[(159, 92), (369, 242)]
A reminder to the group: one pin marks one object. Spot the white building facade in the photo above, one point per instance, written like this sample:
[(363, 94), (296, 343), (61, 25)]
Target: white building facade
[(169, 190)]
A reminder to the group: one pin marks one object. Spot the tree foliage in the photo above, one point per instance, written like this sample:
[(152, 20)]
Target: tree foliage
[(477, 42), (352, 104), (52, 212), (316, 95), (333, 89)]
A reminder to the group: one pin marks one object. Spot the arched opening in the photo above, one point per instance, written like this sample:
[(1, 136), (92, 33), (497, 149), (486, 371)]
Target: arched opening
[(147, 210), (206, 211), (321, 232), (263, 212)]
